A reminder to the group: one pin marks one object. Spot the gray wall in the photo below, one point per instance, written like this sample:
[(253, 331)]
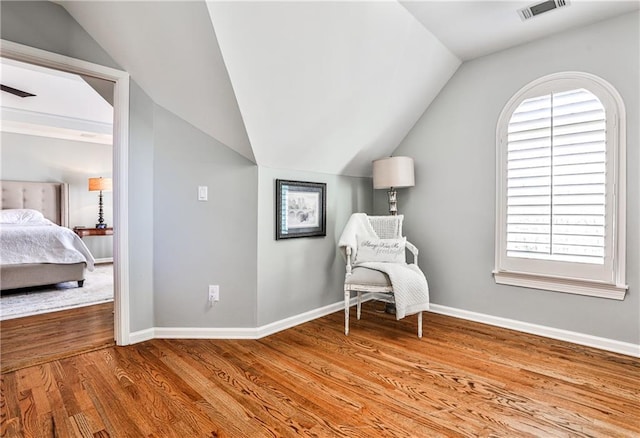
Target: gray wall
[(48, 26), (451, 211), (178, 245), (198, 243), (301, 274), (141, 218), (34, 158)]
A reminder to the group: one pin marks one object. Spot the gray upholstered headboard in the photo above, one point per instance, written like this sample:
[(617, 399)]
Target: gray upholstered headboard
[(50, 198)]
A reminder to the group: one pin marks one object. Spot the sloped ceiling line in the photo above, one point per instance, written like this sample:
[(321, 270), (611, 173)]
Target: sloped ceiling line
[(316, 86), (174, 57), (328, 86)]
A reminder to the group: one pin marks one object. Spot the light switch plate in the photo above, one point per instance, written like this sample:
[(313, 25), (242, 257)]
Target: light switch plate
[(214, 293), (203, 194)]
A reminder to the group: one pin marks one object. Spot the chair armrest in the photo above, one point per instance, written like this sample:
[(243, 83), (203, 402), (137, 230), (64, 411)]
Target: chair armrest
[(348, 253), (414, 250)]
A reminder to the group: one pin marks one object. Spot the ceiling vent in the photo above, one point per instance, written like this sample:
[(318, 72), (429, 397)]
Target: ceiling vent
[(540, 8)]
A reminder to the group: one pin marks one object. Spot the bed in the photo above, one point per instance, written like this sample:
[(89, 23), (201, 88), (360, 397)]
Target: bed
[(31, 209)]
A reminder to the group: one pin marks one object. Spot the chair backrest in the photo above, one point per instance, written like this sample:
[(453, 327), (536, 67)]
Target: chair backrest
[(387, 227)]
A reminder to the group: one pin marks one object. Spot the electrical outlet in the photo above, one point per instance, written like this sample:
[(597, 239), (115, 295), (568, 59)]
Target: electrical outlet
[(214, 293)]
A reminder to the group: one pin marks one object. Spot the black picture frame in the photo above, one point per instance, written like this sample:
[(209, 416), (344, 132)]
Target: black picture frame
[(300, 209)]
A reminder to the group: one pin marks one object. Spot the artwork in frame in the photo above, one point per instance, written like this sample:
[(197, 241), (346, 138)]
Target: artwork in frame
[(300, 209)]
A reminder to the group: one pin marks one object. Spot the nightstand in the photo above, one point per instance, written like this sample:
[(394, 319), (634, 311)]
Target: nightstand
[(83, 232)]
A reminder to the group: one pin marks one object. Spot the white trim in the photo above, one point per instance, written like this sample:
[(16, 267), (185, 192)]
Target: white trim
[(608, 281), (274, 327), (540, 330), (14, 127), (55, 121), (11, 50), (205, 333), (295, 320), (103, 260), (236, 333), (142, 335), (566, 285)]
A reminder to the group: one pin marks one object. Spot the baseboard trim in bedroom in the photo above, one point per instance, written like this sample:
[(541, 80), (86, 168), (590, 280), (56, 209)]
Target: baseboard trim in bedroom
[(611, 345), (142, 335), (103, 260), (234, 333), (274, 327)]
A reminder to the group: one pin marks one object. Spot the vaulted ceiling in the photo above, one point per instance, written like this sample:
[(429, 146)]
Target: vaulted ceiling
[(317, 86)]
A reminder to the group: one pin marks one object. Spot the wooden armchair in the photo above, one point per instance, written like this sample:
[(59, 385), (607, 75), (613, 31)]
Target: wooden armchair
[(361, 280)]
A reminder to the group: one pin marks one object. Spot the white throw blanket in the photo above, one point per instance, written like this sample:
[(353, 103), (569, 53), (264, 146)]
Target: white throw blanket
[(410, 288), (357, 225), (38, 243)]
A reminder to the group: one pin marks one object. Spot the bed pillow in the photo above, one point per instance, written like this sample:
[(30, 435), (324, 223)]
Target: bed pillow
[(381, 250), (20, 216)]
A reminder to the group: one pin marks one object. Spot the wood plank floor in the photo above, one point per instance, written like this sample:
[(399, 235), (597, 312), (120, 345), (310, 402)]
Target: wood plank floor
[(462, 379), (42, 338)]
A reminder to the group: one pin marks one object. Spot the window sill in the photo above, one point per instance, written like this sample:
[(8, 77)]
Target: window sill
[(566, 285)]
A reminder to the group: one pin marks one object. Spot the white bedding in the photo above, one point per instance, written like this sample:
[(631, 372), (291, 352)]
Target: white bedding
[(41, 241)]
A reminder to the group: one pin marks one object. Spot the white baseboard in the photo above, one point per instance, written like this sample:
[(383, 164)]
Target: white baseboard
[(540, 330), (204, 333), (293, 321), (274, 327), (234, 333), (141, 335), (103, 260)]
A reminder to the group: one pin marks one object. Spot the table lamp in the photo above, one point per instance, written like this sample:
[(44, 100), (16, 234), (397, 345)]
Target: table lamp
[(393, 173), (100, 184)]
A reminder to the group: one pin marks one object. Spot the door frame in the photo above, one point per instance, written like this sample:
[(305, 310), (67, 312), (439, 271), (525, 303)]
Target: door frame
[(20, 52)]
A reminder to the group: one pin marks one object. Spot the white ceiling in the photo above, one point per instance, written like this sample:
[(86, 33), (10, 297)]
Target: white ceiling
[(478, 27), (64, 105), (317, 86), (328, 87)]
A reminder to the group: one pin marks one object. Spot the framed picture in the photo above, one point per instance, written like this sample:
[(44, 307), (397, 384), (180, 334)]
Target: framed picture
[(300, 209)]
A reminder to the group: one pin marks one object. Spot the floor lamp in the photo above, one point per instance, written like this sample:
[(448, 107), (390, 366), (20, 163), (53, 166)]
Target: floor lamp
[(393, 173), (100, 184)]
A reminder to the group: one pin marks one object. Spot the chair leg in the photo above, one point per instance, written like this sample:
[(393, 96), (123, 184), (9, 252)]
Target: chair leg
[(347, 297), (359, 305), (420, 325)]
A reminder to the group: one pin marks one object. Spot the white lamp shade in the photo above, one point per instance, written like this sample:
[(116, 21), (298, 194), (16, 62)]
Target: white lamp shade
[(393, 172)]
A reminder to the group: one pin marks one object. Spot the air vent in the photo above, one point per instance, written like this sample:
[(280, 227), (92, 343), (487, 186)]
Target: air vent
[(540, 8)]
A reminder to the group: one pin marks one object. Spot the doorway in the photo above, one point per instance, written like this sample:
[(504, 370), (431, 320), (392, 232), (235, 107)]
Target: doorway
[(120, 82)]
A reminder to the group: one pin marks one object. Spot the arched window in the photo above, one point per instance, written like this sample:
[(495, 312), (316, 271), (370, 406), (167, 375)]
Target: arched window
[(560, 216)]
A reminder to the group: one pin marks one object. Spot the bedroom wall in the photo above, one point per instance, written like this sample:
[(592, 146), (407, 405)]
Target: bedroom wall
[(48, 26), (178, 245), (35, 158), (302, 274), (451, 210), (198, 243), (141, 224)]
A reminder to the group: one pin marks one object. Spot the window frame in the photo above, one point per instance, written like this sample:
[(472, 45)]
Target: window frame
[(608, 280)]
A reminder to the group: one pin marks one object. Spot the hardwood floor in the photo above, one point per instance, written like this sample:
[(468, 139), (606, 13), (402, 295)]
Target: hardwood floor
[(461, 379), (42, 338)]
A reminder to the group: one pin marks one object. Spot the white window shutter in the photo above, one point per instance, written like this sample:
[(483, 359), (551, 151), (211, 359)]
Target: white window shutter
[(561, 187), (556, 175)]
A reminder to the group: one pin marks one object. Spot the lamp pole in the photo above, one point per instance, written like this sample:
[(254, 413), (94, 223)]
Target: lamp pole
[(100, 223), (393, 201)]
